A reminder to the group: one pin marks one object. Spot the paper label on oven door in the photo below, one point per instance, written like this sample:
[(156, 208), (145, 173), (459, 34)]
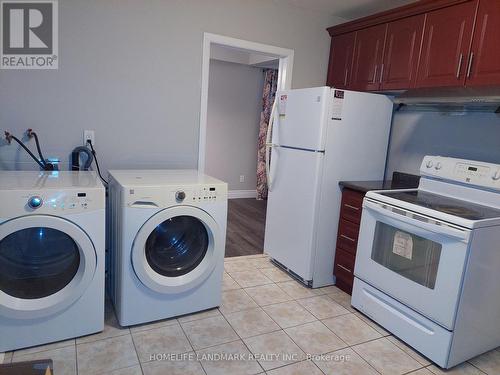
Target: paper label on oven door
[(403, 245)]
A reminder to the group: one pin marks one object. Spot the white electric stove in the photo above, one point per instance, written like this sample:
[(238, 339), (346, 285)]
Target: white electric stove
[(428, 260)]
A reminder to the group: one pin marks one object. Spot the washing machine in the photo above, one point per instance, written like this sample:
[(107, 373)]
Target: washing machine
[(52, 230), (168, 235)]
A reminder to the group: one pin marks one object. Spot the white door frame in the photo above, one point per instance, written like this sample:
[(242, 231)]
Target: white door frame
[(284, 55)]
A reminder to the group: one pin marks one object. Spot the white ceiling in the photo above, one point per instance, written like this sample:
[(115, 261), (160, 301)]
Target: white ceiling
[(238, 56), (348, 9)]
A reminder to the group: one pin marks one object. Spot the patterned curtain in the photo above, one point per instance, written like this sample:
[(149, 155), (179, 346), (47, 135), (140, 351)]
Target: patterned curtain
[(268, 94)]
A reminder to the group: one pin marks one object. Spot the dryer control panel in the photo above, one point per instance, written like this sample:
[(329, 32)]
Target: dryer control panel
[(150, 197)]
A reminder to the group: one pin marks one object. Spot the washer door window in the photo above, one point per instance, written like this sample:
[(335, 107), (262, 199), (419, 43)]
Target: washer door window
[(46, 263), (177, 246), (175, 249), (37, 262)]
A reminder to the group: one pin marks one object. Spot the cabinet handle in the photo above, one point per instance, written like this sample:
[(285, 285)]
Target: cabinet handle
[(469, 69), (348, 238), (375, 74), (344, 268), (460, 65), (351, 207), (381, 73), (345, 78)]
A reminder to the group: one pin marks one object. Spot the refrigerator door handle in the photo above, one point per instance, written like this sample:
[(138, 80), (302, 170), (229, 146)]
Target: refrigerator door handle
[(269, 146)]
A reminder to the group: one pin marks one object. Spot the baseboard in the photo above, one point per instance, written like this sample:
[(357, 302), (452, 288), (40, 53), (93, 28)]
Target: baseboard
[(233, 194)]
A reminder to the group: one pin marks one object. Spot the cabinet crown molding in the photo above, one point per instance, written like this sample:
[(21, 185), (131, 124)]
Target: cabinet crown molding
[(419, 7)]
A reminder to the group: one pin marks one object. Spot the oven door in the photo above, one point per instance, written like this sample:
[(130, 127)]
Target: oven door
[(416, 260)]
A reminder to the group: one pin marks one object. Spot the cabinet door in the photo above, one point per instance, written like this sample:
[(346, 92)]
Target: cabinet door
[(484, 60), (402, 49), (344, 270), (339, 67), (446, 44), (368, 53)]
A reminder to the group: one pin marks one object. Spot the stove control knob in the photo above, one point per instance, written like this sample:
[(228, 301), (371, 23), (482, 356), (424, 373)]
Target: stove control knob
[(35, 202), (429, 164), (180, 196), (496, 175), (438, 166)]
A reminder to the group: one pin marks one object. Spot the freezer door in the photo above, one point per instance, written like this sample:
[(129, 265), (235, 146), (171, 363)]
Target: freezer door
[(292, 208), (302, 118)]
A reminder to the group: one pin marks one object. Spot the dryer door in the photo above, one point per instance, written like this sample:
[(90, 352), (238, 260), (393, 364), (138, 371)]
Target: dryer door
[(46, 263), (175, 250)]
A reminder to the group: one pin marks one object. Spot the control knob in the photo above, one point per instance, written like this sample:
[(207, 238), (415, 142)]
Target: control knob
[(35, 202), (180, 196), (438, 166), (496, 175), (429, 164)]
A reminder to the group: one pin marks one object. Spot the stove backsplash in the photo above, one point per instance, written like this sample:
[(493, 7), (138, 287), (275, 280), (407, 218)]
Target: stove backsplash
[(474, 136)]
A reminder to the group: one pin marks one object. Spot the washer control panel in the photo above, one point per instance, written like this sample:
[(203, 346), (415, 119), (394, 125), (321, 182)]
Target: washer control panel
[(477, 173), (59, 202), (203, 194)]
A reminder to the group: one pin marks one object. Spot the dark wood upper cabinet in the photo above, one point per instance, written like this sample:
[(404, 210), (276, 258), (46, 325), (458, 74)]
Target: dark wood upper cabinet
[(446, 45), (483, 65), (428, 43), (402, 49), (367, 62), (341, 51)]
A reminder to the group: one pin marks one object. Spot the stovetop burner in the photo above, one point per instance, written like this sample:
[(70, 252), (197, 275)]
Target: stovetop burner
[(450, 206)]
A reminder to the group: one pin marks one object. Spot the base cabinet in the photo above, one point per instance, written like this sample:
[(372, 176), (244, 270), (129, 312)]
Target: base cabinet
[(347, 238)]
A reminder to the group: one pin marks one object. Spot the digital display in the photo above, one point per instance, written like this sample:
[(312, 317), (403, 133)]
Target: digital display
[(472, 169), (212, 189), (82, 194)]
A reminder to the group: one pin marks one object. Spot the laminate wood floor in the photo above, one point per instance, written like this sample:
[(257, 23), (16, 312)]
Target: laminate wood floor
[(246, 220)]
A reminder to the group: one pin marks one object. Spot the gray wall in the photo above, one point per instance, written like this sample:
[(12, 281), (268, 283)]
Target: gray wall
[(131, 70), (234, 105), (474, 136)]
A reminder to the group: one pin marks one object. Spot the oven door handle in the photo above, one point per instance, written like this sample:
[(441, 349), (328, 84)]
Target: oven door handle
[(462, 235)]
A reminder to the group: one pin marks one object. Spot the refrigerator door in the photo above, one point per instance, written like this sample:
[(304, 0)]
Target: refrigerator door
[(292, 208), (302, 118), (355, 150)]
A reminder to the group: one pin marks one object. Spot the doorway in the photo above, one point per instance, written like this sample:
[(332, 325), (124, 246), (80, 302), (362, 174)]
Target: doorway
[(233, 83)]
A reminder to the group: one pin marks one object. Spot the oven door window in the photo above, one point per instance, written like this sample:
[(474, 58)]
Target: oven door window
[(413, 257), (177, 246), (37, 262)]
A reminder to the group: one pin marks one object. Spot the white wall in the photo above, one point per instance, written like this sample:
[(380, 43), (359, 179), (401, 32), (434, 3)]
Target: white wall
[(474, 136), (131, 70), (233, 115)]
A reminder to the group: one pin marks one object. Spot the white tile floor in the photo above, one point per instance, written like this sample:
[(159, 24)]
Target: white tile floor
[(263, 312)]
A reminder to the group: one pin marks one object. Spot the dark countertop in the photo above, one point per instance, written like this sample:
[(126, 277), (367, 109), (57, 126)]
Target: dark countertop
[(399, 181)]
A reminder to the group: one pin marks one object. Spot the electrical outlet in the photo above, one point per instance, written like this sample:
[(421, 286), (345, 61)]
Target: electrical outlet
[(88, 135), (242, 178)]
